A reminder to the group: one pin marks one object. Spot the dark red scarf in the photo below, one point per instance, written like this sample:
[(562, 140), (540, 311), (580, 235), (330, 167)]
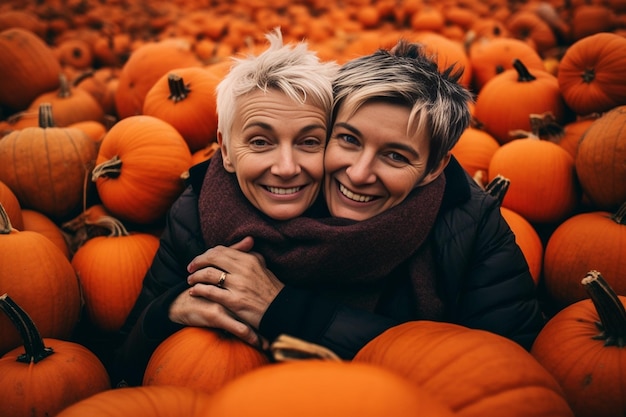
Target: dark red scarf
[(352, 261)]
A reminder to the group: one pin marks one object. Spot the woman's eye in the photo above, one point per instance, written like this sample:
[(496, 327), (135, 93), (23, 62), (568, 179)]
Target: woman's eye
[(348, 139), (259, 142), (396, 157)]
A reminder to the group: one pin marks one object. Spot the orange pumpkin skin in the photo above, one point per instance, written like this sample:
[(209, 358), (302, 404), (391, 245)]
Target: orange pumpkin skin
[(41, 279), (39, 222), (28, 68), (185, 98), (593, 240), (591, 374), (474, 150), (474, 372), (111, 271), (527, 239), (312, 388), (543, 187), (591, 74), (43, 389), (212, 358), (153, 156), (601, 160), (153, 401)]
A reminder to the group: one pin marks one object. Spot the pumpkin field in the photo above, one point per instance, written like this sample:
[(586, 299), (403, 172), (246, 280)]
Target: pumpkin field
[(106, 104)]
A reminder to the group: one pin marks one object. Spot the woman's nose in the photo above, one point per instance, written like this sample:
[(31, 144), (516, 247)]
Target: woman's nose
[(361, 172), (286, 164)]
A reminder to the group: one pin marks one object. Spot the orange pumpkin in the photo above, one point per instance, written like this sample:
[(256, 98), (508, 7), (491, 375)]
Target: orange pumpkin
[(474, 372), (573, 133), (527, 26), (311, 388), (138, 168), (46, 166), (69, 104), (212, 358), (144, 67), (474, 150), (39, 277), (111, 270), (45, 375), (535, 93), (586, 241), (584, 347), (28, 68), (154, 401), (185, 98), (492, 56), (591, 74), (543, 183), (601, 160)]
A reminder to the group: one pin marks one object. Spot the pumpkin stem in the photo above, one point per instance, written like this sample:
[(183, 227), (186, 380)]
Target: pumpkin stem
[(589, 74), (108, 169), (178, 90), (523, 75), (115, 226), (45, 116), (544, 125), (610, 309), (33, 342), (64, 88), (620, 215), (288, 348), (498, 187), (5, 222)]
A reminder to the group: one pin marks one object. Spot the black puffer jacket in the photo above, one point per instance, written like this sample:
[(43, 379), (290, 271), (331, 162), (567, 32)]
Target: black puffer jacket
[(483, 276)]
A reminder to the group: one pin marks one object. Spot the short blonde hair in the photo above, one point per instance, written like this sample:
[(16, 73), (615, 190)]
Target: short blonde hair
[(292, 69)]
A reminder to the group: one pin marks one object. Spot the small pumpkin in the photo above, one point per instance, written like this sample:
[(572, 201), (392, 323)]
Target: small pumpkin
[(12, 206), (543, 186), (111, 270), (40, 223), (138, 168), (584, 347), (202, 359), (45, 375), (474, 150), (591, 74), (46, 166), (535, 92), (185, 98), (586, 241)]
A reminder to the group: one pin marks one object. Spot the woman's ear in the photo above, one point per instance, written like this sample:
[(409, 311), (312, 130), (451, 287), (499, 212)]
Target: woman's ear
[(434, 174), (228, 165)]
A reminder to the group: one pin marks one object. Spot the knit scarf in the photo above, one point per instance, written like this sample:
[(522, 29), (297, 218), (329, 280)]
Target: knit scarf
[(354, 262)]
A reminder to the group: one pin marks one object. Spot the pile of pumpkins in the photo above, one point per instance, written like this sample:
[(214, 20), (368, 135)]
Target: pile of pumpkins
[(105, 105)]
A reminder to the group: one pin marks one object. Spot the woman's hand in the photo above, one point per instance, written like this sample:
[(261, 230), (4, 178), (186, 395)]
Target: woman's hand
[(248, 287), (200, 312)]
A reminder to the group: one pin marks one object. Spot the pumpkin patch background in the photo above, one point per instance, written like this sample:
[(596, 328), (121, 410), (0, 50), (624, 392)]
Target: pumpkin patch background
[(97, 96)]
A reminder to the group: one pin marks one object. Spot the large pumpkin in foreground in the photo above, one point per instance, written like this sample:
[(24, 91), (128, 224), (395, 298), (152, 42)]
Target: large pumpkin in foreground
[(475, 372), (314, 388), (584, 347)]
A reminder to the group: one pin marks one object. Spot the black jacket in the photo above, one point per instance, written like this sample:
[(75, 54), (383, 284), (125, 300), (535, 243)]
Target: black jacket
[(483, 276)]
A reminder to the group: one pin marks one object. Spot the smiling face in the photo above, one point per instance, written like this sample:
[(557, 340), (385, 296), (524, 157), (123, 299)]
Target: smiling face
[(276, 150), (372, 163)]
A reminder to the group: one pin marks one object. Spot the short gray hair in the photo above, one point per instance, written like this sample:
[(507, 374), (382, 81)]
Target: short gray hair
[(292, 69), (406, 75)]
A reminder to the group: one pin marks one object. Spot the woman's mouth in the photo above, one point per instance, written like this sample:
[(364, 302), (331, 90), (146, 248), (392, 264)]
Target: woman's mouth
[(283, 191), (361, 198)]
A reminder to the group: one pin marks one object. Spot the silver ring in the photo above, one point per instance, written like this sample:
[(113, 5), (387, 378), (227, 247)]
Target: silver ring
[(222, 279)]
